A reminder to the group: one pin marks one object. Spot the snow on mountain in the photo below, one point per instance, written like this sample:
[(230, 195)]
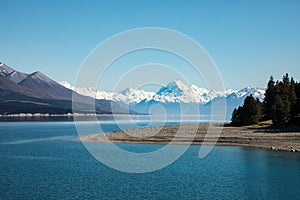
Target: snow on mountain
[(88, 91), (132, 95), (177, 91), (67, 85), (174, 92), (128, 95), (247, 91)]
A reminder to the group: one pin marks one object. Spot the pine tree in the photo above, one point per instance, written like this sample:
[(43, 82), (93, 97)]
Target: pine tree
[(235, 119), (295, 109), (293, 102), (284, 91), (249, 113), (279, 117), (268, 113), (259, 110), (281, 104), (292, 92), (297, 89)]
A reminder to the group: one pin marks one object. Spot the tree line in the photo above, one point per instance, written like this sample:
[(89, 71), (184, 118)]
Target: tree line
[(281, 104)]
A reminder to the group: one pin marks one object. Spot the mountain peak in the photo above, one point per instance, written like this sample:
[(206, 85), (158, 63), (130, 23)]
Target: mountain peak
[(5, 70), (12, 74), (177, 84), (174, 88), (255, 91), (40, 76)]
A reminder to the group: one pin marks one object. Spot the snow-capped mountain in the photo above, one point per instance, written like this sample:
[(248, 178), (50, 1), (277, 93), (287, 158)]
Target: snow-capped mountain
[(128, 96), (133, 96), (173, 92), (247, 91), (176, 98), (179, 92)]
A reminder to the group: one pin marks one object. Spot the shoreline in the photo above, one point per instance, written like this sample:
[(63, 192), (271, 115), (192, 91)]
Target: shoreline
[(65, 115), (230, 136)]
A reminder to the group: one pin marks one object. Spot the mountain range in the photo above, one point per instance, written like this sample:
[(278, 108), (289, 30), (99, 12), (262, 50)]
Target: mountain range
[(37, 93), (173, 92), (174, 96)]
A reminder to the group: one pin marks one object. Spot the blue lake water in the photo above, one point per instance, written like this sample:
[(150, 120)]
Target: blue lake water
[(41, 160)]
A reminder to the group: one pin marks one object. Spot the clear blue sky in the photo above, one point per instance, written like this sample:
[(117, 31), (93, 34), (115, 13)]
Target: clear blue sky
[(248, 40)]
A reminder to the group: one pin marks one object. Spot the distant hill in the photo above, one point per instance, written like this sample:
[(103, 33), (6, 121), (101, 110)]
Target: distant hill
[(37, 93)]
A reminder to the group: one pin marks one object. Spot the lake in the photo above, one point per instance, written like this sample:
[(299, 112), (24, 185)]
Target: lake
[(42, 160)]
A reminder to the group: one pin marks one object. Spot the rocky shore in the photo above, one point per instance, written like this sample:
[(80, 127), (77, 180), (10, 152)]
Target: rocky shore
[(261, 137)]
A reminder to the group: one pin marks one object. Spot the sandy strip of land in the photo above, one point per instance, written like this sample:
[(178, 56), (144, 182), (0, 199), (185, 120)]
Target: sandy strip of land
[(185, 134)]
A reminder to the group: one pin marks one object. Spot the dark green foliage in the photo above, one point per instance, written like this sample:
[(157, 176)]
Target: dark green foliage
[(249, 113), (281, 105), (297, 90), (269, 99), (279, 111), (295, 108), (292, 92), (235, 119), (295, 120)]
